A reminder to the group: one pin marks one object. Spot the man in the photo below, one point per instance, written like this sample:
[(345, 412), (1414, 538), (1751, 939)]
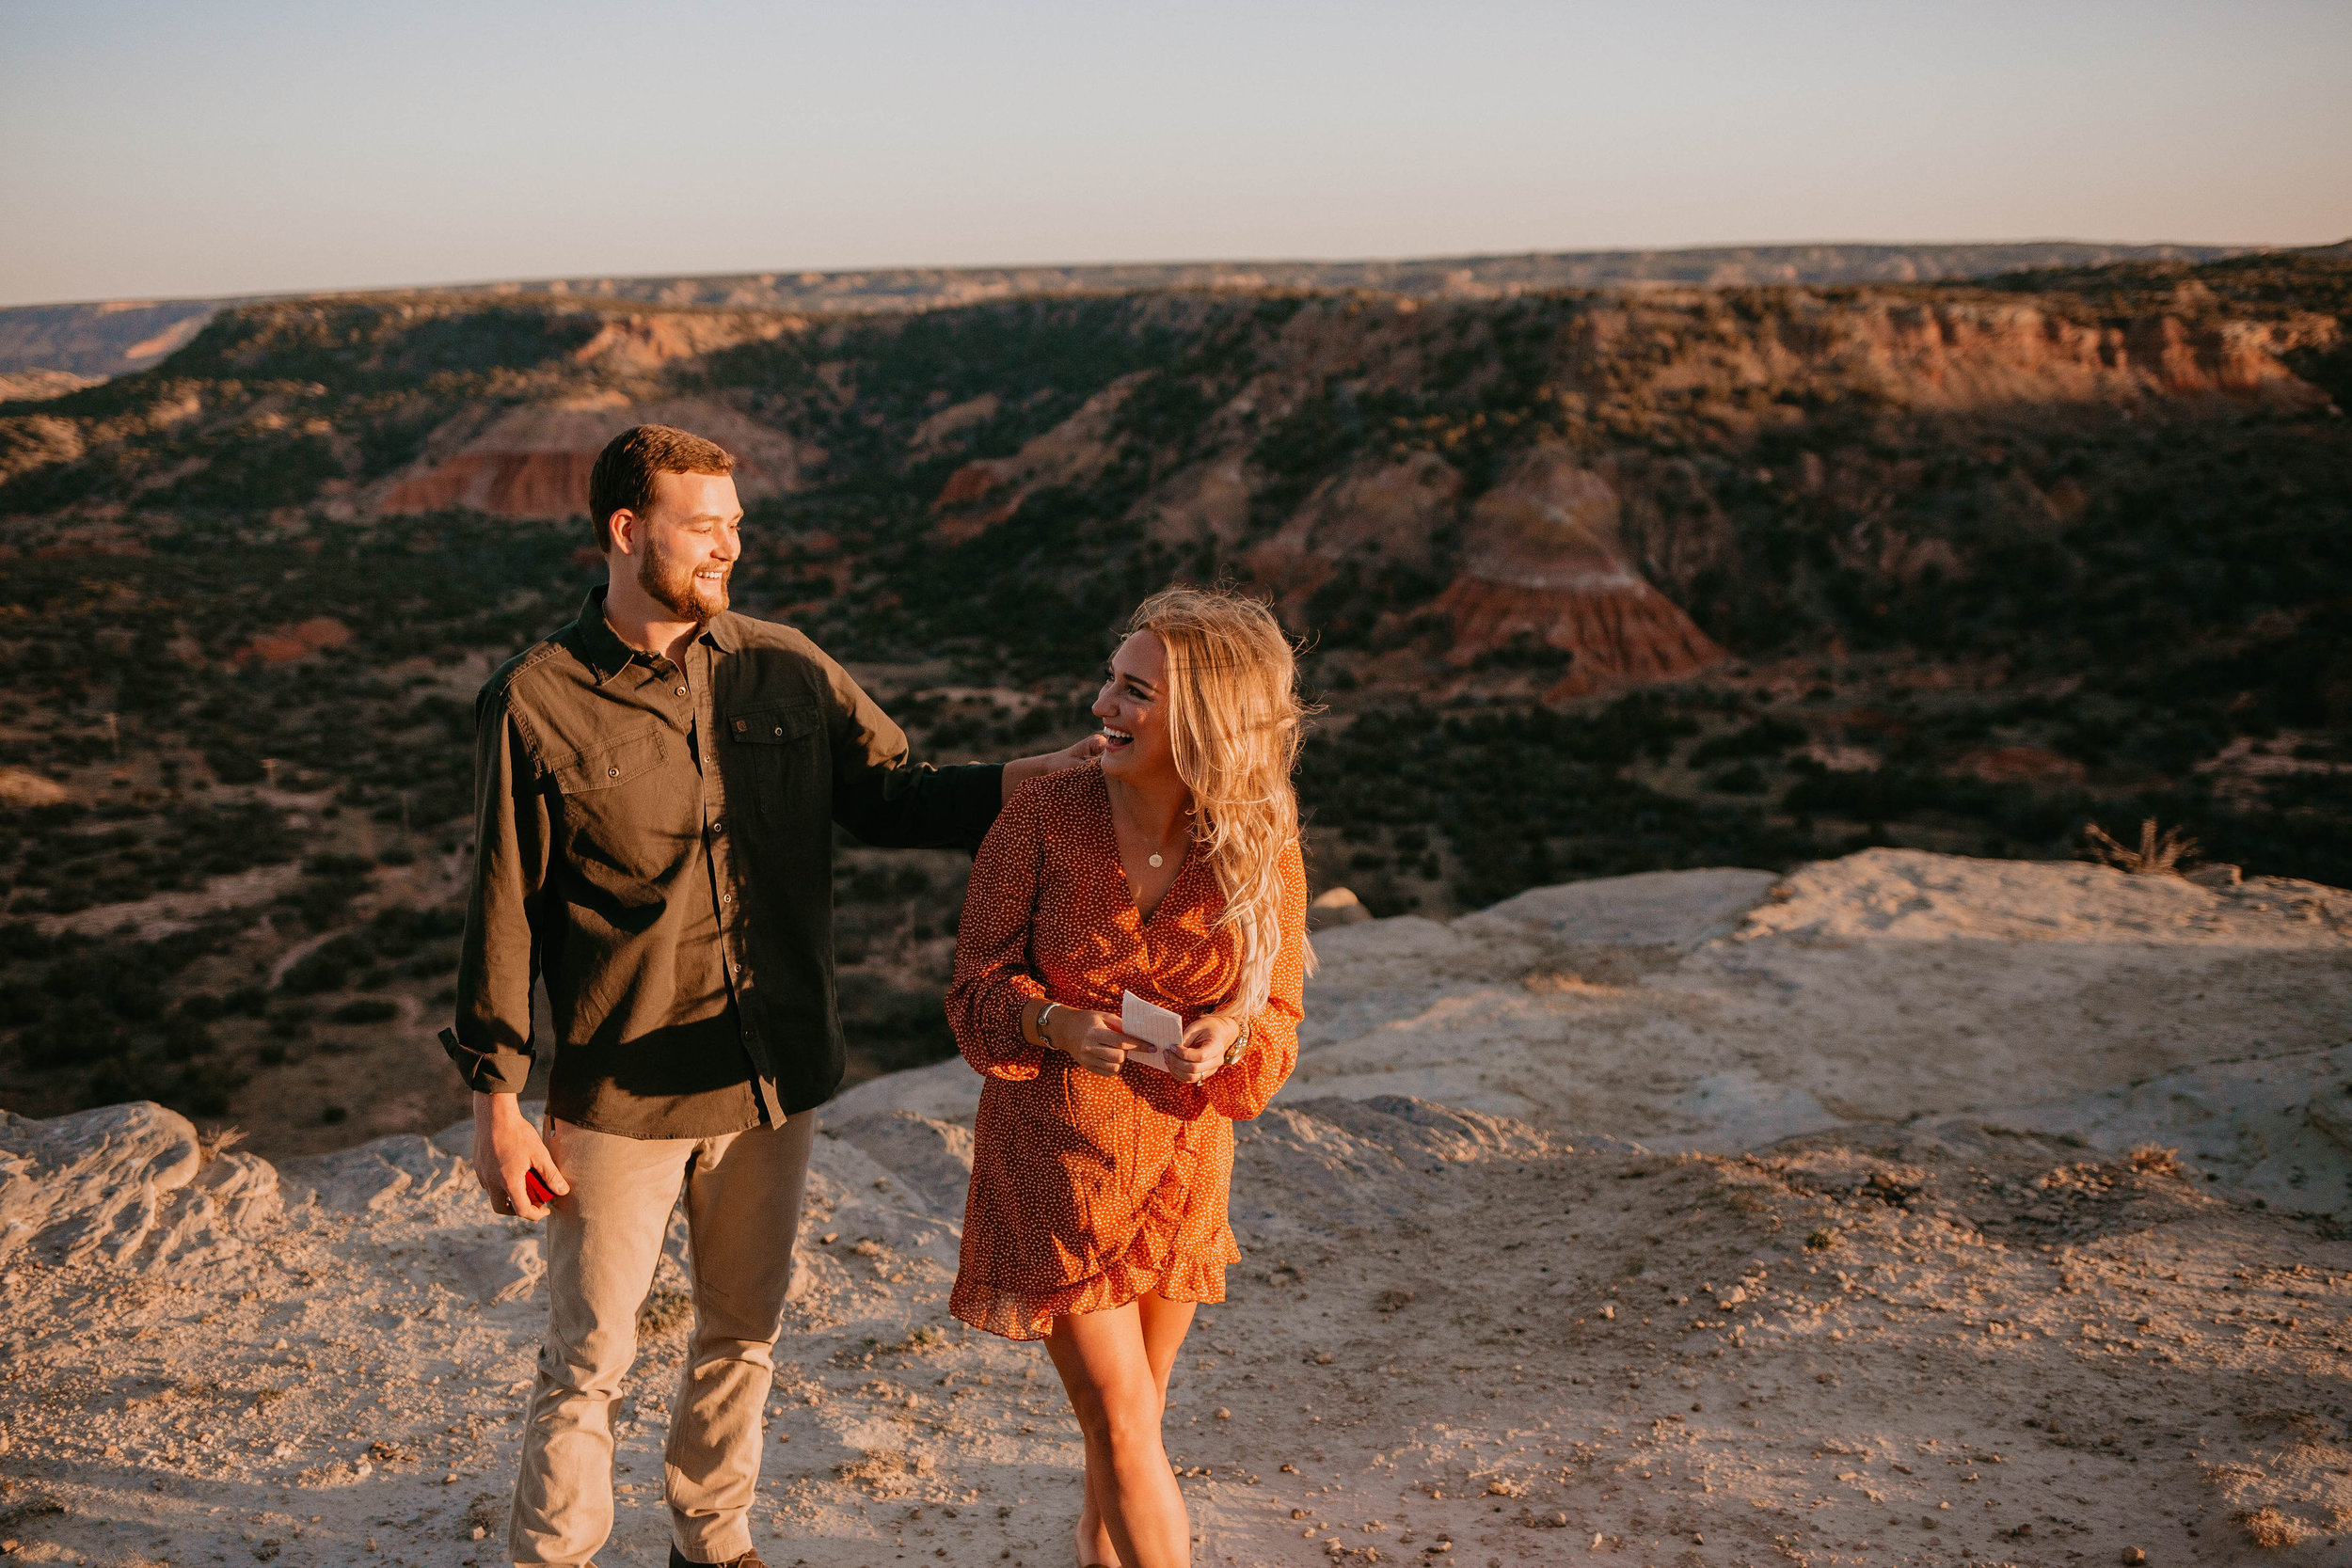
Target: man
[(656, 789)]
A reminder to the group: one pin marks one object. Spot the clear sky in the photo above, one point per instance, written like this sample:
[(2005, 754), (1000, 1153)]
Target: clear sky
[(151, 149)]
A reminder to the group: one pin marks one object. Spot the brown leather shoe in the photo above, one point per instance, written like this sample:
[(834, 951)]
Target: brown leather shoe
[(679, 1560)]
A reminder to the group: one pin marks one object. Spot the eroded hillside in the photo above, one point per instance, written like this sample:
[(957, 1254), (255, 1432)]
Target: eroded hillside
[(1593, 582)]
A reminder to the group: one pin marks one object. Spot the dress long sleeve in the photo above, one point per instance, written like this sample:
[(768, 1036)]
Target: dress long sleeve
[(1243, 1089), (996, 976)]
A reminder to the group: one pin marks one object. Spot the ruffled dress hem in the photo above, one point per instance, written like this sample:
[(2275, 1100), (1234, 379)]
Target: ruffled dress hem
[(1015, 1316)]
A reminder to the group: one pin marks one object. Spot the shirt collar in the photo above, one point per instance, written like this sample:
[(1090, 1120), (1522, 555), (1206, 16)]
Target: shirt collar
[(599, 644), (609, 655)]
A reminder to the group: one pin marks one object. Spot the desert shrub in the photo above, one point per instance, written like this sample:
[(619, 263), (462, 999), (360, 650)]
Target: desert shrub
[(337, 865), (327, 966), (257, 471), (185, 1037), (322, 900), (67, 1036), (20, 1003), (399, 929), (365, 1009), (22, 938), (1740, 778), (233, 763), (1524, 652), (1765, 737), (2154, 855)]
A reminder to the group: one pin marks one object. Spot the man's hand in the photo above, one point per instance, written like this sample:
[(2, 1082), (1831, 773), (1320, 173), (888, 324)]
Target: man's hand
[(1020, 772), (504, 1147), (1196, 1057), (1092, 1040)]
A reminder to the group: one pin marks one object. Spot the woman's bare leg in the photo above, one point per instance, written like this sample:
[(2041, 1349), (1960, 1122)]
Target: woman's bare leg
[(1118, 1398), (1165, 1324)]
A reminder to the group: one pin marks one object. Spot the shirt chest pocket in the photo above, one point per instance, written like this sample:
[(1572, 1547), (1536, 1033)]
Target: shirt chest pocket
[(776, 725), (616, 806), (775, 758)]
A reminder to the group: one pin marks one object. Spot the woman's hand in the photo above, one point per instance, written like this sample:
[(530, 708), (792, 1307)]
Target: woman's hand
[(1022, 770), (1092, 1040), (1196, 1057)]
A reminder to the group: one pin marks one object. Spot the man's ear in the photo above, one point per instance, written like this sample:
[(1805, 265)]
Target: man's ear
[(624, 530)]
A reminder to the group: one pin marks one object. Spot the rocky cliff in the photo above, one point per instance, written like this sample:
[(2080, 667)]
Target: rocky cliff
[(1947, 1209)]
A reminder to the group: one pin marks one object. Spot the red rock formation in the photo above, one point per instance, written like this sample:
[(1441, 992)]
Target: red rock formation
[(534, 462), (970, 483), (1070, 453), (504, 484), (299, 640), (1542, 565), (2020, 764)]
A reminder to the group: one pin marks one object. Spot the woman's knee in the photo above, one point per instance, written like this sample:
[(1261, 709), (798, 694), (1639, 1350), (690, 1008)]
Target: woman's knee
[(1130, 1426)]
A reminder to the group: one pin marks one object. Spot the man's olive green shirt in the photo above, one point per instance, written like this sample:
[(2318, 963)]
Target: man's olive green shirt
[(656, 842)]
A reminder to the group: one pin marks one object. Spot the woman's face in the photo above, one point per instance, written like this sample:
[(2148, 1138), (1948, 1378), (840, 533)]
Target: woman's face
[(1132, 707)]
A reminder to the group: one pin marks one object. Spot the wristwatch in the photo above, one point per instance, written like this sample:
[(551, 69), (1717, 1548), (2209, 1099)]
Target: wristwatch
[(1042, 1013)]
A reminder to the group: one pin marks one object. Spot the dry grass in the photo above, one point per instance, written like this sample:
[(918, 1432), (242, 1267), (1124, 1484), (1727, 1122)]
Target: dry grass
[(220, 1140), (2165, 856), (664, 1313), (2154, 1160)]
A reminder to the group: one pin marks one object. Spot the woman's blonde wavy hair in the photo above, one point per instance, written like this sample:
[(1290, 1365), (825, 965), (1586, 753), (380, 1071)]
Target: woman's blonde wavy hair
[(1234, 724)]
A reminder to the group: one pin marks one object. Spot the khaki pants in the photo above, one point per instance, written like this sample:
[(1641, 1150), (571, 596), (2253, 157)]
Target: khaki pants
[(742, 1212)]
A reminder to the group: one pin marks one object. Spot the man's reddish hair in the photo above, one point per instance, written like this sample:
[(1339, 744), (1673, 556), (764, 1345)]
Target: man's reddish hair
[(621, 481)]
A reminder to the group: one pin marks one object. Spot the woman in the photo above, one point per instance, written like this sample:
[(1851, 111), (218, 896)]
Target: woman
[(1100, 1168)]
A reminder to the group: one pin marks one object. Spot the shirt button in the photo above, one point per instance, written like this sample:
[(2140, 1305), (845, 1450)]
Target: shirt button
[(611, 772), (681, 691)]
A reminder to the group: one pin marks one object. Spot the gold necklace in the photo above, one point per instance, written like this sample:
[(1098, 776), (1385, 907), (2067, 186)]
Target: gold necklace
[(1153, 859)]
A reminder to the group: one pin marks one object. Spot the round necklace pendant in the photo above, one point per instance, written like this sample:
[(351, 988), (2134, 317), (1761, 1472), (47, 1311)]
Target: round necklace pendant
[(1155, 862)]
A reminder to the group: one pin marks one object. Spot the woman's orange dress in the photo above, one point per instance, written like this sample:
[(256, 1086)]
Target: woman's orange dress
[(1088, 1190)]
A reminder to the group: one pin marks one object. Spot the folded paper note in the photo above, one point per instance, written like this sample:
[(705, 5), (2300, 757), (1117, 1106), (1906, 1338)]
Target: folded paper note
[(1154, 1025)]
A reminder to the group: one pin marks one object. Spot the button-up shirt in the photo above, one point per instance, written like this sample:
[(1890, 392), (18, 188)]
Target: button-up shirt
[(656, 842)]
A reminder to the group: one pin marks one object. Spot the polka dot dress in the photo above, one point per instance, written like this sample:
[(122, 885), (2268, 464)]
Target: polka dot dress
[(1087, 1191)]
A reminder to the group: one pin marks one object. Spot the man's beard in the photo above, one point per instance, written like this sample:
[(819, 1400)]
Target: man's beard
[(675, 587)]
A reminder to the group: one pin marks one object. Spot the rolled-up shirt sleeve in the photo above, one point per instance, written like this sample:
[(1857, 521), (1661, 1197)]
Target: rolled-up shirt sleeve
[(995, 976), (1247, 1087), (500, 960)]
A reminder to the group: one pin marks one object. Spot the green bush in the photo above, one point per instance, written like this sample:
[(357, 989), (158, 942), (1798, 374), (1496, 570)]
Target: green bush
[(327, 967), (1765, 737)]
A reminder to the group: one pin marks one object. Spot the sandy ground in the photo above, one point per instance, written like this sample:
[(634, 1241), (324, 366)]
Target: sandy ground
[(1696, 1219)]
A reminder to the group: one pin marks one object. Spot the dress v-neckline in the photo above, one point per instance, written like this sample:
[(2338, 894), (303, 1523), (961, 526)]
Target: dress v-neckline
[(1111, 830)]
